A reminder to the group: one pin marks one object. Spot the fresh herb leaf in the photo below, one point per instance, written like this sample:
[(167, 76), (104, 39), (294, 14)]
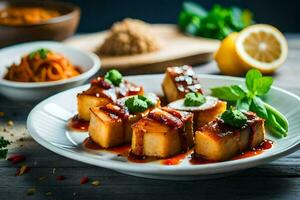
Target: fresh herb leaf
[(194, 99), (42, 52), (263, 85), (251, 77), (243, 104), (259, 108), (3, 144), (136, 105), (229, 93), (216, 23), (114, 77), (234, 118)]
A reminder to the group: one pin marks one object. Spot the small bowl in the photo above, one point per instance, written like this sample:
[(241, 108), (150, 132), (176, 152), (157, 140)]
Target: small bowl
[(35, 91), (57, 28)]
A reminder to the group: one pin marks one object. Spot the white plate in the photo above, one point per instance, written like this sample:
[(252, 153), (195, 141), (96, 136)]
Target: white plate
[(47, 125)]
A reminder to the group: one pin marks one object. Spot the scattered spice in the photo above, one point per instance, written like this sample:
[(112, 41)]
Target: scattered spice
[(10, 123), (15, 159), (30, 191), (48, 194), (96, 183), (60, 178), (42, 178), (84, 180), (22, 170)]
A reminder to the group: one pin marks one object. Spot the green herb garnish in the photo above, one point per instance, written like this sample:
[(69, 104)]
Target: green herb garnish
[(114, 77), (3, 150), (139, 103), (250, 100), (216, 23), (42, 52), (234, 118), (194, 99)]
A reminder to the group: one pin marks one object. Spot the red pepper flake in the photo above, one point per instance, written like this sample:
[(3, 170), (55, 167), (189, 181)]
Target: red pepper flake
[(84, 180), (22, 170), (16, 159), (60, 178)]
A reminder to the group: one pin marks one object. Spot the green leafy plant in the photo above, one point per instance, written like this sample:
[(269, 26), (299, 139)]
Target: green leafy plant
[(249, 99), (216, 23), (3, 150)]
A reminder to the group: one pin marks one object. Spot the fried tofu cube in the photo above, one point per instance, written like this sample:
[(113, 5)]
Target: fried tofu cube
[(85, 102), (203, 117), (162, 133), (110, 125), (106, 129), (179, 81), (101, 93), (218, 142)]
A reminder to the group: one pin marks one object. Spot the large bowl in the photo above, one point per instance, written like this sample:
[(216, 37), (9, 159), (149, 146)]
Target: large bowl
[(58, 28), (19, 91)]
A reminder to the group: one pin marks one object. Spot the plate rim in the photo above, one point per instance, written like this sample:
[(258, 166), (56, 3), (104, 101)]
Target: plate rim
[(214, 168)]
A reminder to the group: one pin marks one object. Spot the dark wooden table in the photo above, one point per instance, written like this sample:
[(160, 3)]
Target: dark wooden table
[(277, 180)]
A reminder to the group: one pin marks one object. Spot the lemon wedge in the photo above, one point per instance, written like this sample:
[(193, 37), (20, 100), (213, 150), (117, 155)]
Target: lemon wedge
[(262, 47)]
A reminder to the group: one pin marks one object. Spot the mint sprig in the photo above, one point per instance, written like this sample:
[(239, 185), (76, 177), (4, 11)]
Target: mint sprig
[(249, 100)]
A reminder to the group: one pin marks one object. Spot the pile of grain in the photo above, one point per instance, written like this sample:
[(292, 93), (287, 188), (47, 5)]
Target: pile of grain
[(129, 37)]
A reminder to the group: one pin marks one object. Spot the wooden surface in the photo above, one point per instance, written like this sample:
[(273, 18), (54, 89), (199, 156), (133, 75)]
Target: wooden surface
[(277, 180), (176, 49)]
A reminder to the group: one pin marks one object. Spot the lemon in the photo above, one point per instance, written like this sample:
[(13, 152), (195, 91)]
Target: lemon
[(262, 47), (227, 58), (259, 46)]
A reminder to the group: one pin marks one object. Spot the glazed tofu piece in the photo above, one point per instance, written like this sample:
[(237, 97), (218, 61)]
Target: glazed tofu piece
[(206, 112), (205, 116), (217, 141), (110, 125), (179, 81), (101, 93), (163, 133)]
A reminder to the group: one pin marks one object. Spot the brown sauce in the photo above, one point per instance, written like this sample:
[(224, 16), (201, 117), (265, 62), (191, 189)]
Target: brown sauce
[(77, 124), (122, 150)]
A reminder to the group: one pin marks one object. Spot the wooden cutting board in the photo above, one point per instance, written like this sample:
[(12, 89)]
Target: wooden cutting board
[(177, 49)]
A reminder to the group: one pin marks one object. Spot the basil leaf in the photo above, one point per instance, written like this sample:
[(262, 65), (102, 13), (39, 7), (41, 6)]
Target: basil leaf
[(263, 85), (229, 93), (259, 108), (243, 104), (251, 77)]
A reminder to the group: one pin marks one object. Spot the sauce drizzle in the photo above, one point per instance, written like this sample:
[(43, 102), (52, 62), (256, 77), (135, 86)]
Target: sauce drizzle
[(77, 124)]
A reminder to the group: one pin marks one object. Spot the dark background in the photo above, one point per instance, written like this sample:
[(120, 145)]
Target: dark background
[(100, 14)]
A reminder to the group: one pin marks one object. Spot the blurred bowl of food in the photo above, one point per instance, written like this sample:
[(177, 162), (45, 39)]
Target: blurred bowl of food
[(31, 20), (35, 70)]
